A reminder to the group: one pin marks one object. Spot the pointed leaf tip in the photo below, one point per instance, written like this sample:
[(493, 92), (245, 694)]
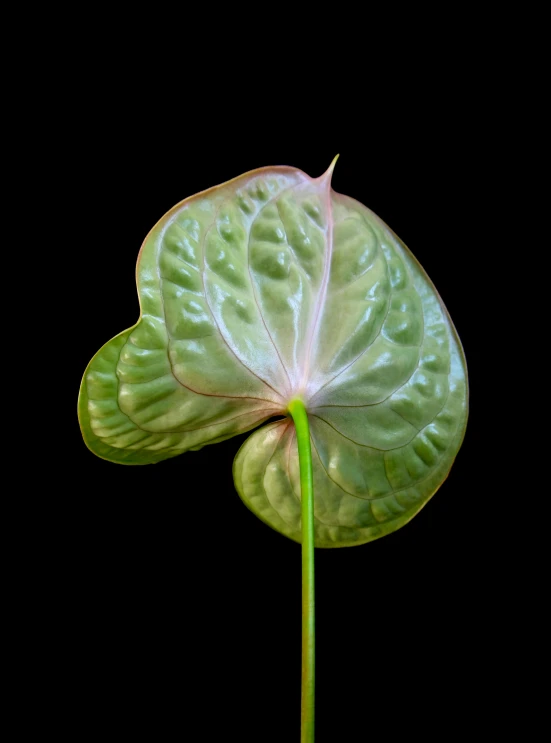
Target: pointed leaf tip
[(329, 172)]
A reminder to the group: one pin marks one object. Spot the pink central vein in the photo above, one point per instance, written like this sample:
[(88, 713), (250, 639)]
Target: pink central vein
[(314, 327)]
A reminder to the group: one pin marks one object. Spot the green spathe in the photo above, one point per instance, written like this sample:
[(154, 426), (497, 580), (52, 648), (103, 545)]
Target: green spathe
[(273, 287)]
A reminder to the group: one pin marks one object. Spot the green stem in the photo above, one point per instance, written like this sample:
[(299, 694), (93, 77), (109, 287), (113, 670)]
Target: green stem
[(298, 412)]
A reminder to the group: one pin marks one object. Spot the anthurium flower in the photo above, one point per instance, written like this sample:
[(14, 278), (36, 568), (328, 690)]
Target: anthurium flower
[(270, 288)]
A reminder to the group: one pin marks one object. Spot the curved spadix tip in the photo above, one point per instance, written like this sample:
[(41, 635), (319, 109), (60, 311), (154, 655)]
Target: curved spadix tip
[(329, 172)]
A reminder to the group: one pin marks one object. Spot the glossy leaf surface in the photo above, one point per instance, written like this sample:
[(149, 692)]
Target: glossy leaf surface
[(266, 288)]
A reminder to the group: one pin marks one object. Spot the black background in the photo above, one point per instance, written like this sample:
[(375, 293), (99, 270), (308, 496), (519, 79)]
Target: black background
[(182, 607)]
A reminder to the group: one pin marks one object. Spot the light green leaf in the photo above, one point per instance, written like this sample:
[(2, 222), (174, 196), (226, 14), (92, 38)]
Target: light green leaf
[(270, 287)]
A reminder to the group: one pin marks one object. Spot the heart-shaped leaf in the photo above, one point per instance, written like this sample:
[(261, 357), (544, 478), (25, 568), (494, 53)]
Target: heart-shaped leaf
[(268, 288)]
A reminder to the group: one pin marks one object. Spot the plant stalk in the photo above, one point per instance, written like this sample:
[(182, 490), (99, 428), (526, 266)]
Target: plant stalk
[(298, 412)]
